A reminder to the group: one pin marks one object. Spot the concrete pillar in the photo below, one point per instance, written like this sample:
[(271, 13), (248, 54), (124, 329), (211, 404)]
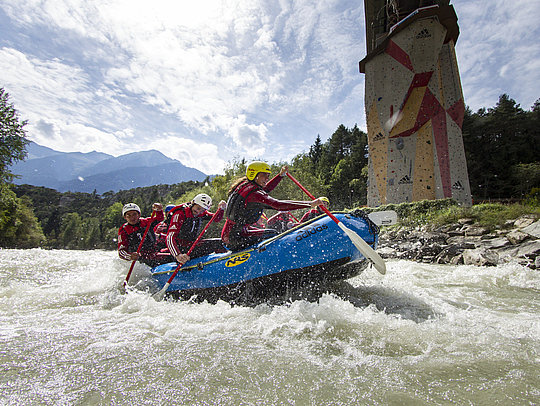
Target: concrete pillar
[(414, 108)]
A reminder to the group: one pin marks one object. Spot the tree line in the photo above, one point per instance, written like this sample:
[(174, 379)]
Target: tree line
[(501, 146)]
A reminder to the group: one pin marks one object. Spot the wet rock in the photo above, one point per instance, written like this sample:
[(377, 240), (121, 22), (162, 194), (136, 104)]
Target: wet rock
[(449, 253), (463, 242), (516, 237), (427, 252), (495, 243), (480, 257), (524, 221), (475, 231), (529, 249), (533, 230)]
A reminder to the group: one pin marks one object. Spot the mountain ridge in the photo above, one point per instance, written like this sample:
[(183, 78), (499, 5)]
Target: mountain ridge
[(86, 172)]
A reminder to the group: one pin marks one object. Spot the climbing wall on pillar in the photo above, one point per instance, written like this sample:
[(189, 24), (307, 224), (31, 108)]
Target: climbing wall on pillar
[(414, 107)]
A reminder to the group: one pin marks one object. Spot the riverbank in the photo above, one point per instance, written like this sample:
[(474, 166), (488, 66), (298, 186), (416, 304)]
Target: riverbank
[(465, 241)]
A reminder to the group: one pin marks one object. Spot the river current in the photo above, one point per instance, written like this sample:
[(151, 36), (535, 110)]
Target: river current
[(419, 335)]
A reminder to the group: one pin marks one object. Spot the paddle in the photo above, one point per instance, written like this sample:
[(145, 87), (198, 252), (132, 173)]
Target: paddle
[(159, 295), (358, 242), (294, 218), (139, 249), (383, 218)]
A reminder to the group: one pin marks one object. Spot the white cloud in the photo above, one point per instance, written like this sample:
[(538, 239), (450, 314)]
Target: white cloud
[(196, 154), (223, 78), (498, 51)]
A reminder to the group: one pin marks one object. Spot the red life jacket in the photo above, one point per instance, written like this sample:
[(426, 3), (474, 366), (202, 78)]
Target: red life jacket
[(239, 210), (189, 231), (135, 234)]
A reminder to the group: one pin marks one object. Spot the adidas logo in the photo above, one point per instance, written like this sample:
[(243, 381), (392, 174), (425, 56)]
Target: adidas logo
[(378, 137), (405, 180), (423, 34), (457, 186)]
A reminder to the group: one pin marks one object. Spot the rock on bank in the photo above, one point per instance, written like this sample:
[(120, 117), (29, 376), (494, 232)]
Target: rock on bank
[(465, 243)]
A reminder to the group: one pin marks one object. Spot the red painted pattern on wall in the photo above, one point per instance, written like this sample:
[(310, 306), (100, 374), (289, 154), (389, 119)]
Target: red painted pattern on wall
[(399, 55)]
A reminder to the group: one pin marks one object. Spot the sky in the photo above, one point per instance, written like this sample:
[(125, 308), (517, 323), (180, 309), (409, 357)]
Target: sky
[(208, 82)]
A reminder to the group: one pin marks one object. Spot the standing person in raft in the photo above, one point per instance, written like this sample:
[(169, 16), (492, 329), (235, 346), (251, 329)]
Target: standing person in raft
[(248, 197), (316, 212), (131, 233), (185, 227)]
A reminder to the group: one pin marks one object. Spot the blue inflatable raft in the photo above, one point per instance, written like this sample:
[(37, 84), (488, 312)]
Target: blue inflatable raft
[(314, 252)]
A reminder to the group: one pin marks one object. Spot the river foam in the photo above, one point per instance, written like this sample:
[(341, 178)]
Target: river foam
[(420, 334)]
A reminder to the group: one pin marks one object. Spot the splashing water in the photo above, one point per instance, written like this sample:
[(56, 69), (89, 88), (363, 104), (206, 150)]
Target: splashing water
[(421, 334)]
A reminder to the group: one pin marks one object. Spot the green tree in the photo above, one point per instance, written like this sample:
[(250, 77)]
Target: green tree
[(19, 227), (315, 151), (92, 238), (71, 231), (112, 218), (12, 137), (496, 140)]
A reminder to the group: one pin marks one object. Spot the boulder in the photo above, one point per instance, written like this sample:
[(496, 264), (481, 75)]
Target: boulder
[(523, 221), (428, 252), (495, 243), (386, 252), (448, 254), (480, 257), (533, 230), (471, 242), (464, 243), (529, 249), (516, 237), (456, 233), (475, 231)]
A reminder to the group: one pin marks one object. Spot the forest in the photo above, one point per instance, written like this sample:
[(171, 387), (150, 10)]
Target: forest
[(501, 147)]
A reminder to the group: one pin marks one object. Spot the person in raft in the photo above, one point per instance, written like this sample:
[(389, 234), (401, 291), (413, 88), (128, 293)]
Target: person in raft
[(160, 230), (316, 212), (281, 221), (131, 233), (185, 227), (248, 197)]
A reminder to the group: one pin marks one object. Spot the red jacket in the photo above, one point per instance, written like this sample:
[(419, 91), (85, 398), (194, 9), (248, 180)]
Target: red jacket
[(316, 212), (130, 236), (185, 228), (251, 205)]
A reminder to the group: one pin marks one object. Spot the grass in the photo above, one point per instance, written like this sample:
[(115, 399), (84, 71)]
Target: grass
[(436, 213)]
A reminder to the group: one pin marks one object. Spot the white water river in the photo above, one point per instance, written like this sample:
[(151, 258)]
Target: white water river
[(420, 335)]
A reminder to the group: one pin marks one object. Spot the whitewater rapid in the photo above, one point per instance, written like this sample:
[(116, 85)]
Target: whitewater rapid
[(421, 334)]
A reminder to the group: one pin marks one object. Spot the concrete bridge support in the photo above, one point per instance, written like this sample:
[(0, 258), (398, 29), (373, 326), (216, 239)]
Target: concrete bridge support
[(414, 104)]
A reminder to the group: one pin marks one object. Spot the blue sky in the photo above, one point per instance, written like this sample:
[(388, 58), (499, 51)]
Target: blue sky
[(207, 82)]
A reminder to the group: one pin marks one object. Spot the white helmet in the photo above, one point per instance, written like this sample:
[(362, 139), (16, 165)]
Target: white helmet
[(129, 207), (203, 200)]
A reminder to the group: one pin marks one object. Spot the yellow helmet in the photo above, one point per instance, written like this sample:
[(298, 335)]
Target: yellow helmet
[(325, 199), (255, 167)]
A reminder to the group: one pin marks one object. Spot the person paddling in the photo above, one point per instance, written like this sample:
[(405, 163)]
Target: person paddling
[(315, 212), (131, 234), (160, 230), (185, 227), (248, 197)]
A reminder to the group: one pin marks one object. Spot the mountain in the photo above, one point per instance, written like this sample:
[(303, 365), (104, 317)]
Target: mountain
[(86, 172)]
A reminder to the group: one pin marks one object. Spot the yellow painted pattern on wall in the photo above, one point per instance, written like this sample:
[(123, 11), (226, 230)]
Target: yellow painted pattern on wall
[(378, 150), (424, 171), (407, 118)]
